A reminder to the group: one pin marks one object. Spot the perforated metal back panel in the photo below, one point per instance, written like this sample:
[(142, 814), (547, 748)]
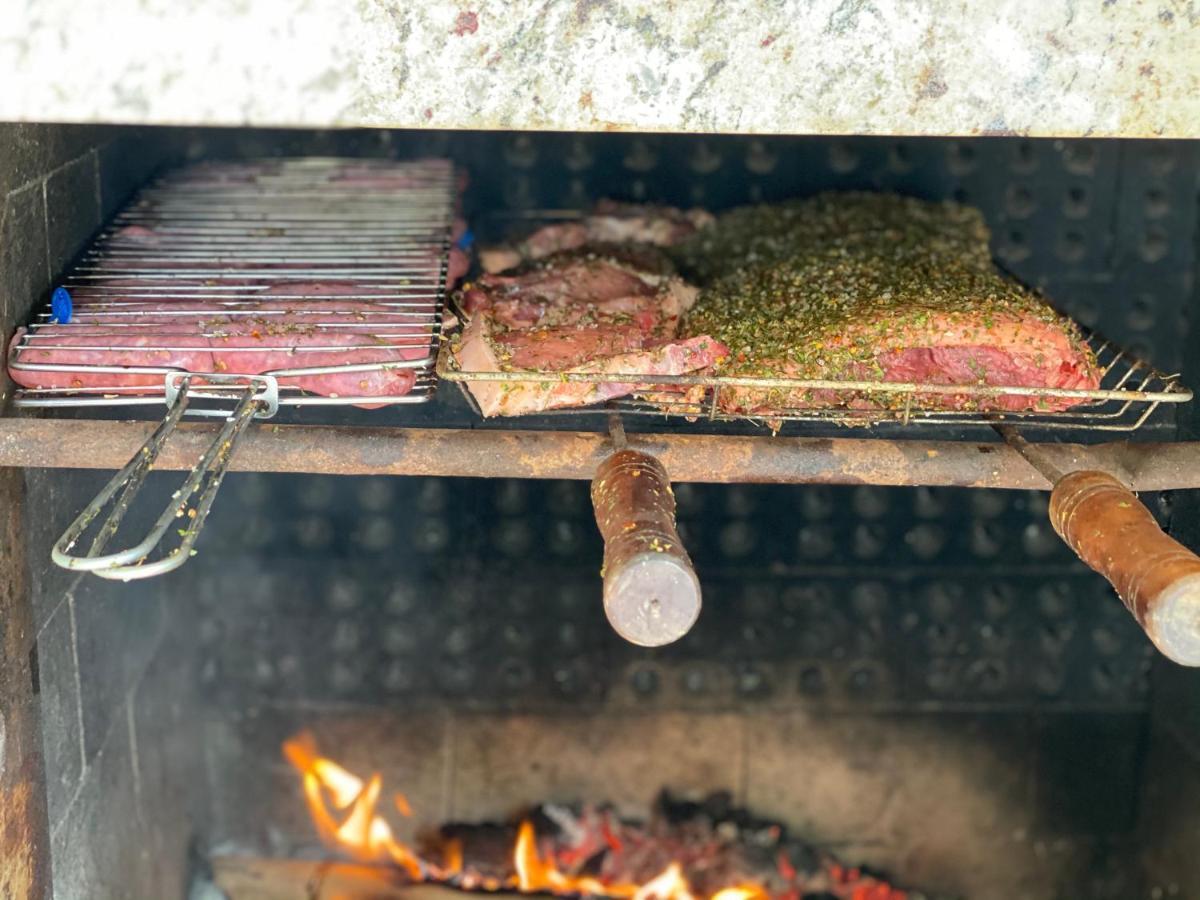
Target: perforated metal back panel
[(487, 594)]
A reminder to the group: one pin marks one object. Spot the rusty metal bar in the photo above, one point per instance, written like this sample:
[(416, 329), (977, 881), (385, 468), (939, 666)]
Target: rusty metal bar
[(575, 455)]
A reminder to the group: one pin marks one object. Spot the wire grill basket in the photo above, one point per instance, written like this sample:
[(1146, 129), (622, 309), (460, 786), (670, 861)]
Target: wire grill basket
[(211, 242), (335, 268), (1130, 391)]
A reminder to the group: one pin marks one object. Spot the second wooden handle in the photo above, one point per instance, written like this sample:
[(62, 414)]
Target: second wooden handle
[(651, 593), (1156, 576)]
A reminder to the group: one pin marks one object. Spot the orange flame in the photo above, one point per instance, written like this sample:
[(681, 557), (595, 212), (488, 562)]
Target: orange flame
[(671, 884), (742, 892), (535, 874), (453, 860), (365, 836)]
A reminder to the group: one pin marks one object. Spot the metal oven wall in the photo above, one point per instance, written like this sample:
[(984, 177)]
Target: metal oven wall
[(923, 677)]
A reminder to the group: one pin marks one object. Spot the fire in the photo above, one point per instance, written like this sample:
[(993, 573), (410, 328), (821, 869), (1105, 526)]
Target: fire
[(742, 892), (453, 861), (363, 834), (535, 874), (345, 811), (670, 885)]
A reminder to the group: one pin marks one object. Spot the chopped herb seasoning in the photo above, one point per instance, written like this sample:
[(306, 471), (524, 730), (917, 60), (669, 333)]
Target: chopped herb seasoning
[(820, 288)]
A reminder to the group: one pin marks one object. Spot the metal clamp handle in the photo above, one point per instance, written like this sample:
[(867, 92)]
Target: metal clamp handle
[(259, 398), (214, 387)]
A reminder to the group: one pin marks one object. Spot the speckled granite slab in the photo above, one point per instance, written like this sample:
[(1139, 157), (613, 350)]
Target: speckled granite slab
[(1054, 67)]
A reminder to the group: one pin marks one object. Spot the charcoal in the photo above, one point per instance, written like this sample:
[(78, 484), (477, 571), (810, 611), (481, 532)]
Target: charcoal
[(803, 858), (717, 845), (487, 848)]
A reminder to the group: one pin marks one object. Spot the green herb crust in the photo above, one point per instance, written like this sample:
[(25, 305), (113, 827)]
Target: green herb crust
[(751, 236), (823, 286)]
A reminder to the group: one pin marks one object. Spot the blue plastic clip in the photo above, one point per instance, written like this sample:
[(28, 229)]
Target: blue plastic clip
[(61, 306), (465, 240)]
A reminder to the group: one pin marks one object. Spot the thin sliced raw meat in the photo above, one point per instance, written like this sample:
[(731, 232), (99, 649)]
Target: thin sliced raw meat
[(275, 335)]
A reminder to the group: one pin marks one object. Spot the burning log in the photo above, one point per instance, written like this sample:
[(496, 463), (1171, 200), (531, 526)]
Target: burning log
[(249, 878)]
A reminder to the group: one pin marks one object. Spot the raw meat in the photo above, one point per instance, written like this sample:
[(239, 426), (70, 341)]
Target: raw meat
[(864, 303), (304, 173), (252, 337), (577, 312), (252, 300), (609, 223)]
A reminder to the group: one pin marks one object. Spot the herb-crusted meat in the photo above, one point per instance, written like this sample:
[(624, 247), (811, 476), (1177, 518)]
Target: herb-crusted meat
[(851, 293), (752, 236)]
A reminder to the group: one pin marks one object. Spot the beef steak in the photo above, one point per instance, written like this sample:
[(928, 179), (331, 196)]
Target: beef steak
[(579, 312), (609, 222), (861, 299), (248, 337)]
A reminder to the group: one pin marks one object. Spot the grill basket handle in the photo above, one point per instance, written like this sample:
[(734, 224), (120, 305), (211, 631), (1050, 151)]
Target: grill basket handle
[(1156, 576), (182, 514), (651, 592)]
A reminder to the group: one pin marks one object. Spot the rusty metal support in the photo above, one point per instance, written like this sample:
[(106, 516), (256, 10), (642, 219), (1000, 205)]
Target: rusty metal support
[(575, 455), (24, 835)]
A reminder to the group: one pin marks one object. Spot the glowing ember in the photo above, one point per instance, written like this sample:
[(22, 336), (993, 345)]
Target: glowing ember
[(346, 811), (741, 892), (535, 874)]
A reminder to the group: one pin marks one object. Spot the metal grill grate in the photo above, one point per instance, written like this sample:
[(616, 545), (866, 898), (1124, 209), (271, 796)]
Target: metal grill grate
[(1129, 393), (1130, 390), (218, 239)]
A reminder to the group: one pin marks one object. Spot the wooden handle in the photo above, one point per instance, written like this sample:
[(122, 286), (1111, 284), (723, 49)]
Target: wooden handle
[(1156, 576), (651, 593)]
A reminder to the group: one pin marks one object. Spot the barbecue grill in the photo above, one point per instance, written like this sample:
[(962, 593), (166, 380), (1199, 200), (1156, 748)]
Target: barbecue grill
[(850, 643)]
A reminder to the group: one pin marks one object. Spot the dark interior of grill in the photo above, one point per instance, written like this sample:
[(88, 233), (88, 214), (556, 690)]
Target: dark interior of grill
[(922, 680)]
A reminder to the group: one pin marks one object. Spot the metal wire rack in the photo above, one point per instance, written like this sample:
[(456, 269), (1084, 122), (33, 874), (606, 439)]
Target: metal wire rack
[(246, 285), (1130, 391), (341, 263)]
